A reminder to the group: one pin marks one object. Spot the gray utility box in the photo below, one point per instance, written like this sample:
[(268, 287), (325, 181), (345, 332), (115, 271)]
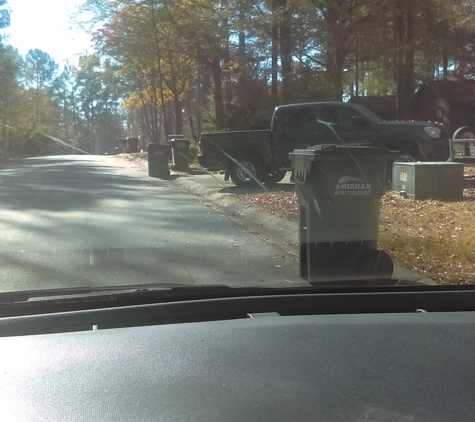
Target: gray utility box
[(429, 180), (339, 189)]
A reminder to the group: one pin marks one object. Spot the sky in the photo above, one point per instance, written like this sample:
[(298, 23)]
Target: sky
[(46, 25)]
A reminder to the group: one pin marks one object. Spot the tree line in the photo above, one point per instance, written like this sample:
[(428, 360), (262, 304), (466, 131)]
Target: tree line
[(79, 104), (42, 105), (218, 64), (164, 67)]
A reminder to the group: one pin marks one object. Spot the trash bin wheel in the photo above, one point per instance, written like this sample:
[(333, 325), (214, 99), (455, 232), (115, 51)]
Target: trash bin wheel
[(376, 262), (245, 174), (275, 176)]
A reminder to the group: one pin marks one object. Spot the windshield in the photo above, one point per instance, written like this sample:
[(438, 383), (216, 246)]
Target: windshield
[(368, 114), (134, 147)]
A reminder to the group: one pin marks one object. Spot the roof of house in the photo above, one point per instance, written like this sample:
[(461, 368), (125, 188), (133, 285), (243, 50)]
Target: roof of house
[(377, 104), (454, 92)]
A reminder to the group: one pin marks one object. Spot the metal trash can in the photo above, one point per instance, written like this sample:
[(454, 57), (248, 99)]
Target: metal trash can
[(158, 156), (339, 190), (132, 144), (123, 142), (180, 148)]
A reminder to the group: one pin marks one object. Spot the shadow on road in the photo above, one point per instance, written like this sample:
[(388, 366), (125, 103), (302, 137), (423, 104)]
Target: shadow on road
[(83, 220), (63, 183), (40, 269)]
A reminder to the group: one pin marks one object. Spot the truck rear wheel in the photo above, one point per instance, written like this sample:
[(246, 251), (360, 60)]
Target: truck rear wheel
[(246, 173)]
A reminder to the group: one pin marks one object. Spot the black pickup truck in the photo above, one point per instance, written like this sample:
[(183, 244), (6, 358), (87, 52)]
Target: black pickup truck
[(264, 154)]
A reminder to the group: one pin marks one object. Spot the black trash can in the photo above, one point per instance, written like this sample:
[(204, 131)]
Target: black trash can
[(158, 156), (180, 148), (124, 145), (132, 144), (339, 190)]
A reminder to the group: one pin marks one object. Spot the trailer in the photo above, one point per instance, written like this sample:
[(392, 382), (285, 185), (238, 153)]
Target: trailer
[(451, 103)]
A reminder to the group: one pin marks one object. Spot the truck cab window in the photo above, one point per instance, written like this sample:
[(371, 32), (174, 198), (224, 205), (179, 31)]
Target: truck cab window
[(329, 114), (346, 116), (299, 119)]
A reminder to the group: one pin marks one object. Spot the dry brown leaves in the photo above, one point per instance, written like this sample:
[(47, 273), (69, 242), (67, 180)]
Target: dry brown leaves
[(135, 157), (433, 238), (282, 204)]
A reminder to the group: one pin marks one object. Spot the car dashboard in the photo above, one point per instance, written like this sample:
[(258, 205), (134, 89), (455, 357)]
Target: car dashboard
[(261, 358)]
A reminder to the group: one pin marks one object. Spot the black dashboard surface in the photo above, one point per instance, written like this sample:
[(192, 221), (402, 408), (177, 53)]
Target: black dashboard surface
[(374, 368)]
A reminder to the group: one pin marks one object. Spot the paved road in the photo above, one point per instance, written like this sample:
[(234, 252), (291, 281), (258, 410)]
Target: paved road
[(213, 189), (86, 220)]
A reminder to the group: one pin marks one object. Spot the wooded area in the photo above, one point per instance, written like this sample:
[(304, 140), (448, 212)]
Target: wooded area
[(165, 67)]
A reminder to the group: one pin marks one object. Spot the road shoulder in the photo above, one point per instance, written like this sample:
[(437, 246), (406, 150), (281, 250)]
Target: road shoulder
[(212, 191), (276, 230)]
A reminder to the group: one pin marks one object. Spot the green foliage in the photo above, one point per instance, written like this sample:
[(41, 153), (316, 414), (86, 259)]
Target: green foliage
[(226, 61), (41, 69), (4, 16), (192, 66), (193, 151)]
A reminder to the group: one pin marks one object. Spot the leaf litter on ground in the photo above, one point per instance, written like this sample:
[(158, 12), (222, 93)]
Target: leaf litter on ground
[(433, 238)]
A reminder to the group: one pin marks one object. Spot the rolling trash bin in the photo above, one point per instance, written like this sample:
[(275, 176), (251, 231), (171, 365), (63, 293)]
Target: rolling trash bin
[(158, 156), (179, 147), (132, 144), (339, 188)]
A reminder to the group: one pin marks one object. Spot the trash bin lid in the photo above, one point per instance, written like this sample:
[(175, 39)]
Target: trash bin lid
[(179, 142), (152, 147), (157, 147), (171, 137), (302, 159)]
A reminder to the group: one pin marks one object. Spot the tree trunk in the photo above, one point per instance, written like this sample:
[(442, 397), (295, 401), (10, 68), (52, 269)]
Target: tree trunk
[(462, 68), (445, 63), (274, 53), (228, 95), (409, 72), (204, 89), (335, 60), (147, 121), (400, 31), (338, 73), (192, 126), (166, 125), (178, 116), (357, 72), (285, 51), (242, 34), (243, 71), (218, 95)]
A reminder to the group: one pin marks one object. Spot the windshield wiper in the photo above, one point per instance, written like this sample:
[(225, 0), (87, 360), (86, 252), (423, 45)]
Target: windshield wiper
[(188, 291), (24, 296)]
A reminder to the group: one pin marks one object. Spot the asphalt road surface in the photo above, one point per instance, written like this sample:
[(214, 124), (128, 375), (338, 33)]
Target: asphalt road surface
[(70, 221)]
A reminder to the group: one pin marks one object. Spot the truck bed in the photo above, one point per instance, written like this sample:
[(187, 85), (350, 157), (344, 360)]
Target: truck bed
[(216, 147)]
